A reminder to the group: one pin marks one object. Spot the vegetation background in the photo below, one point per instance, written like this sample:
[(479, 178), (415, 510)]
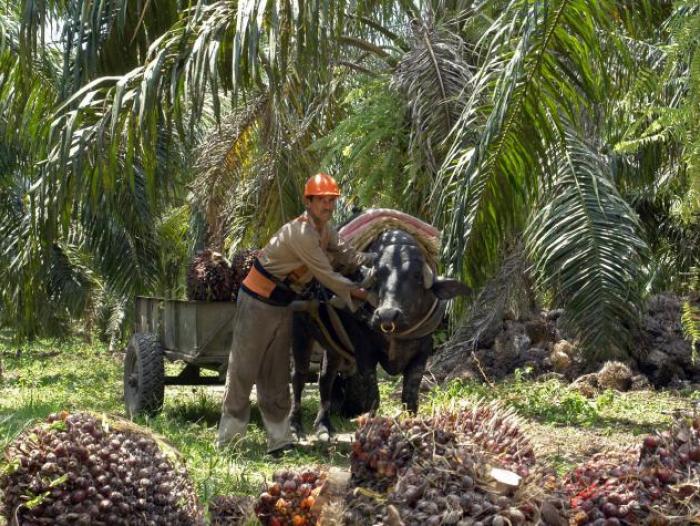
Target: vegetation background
[(133, 133)]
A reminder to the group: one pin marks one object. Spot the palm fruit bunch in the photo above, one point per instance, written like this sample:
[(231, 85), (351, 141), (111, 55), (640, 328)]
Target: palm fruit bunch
[(209, 277), (433, 471), (364, 507), (669, 463), (230, 510), (497, 430), (454, 487), (78, 469), (615, 375), (241, 262), (289, 499), (383, 446), (674, 449), (606, 489)]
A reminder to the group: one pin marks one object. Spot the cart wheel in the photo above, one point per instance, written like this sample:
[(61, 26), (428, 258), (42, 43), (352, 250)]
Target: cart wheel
[(144, 375)]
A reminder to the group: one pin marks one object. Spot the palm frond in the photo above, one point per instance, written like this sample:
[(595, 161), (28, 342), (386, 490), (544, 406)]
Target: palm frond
[(673, 238), (367, 148), (221, 157), (432, 76), (70, 278), (281, 160), (109, 317), (657, 153), (124, 244), (586, 247), (175, 254), (539, 67)]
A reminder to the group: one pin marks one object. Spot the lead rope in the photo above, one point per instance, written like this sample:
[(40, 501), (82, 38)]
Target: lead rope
[(314, 306)]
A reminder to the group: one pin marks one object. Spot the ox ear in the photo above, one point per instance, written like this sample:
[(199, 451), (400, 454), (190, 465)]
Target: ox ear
[(428, 276), (447, 288)]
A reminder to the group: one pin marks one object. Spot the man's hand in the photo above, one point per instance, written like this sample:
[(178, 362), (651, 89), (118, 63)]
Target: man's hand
[(359, 293)]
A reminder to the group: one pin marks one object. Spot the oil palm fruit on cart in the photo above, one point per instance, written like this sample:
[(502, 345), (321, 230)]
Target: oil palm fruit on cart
[(209, 277)]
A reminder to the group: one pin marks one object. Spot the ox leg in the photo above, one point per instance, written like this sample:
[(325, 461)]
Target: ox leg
[(412, 376), (329, 370), (302, 343)]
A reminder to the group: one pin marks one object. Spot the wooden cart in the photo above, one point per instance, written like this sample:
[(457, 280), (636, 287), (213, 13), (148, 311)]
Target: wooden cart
[(197, 333)]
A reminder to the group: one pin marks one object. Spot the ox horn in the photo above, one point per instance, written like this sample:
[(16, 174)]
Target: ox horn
[(428, 276), (368, 278)]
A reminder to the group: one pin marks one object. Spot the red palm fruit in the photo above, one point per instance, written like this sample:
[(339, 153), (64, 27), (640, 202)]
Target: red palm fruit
[(651, 442)]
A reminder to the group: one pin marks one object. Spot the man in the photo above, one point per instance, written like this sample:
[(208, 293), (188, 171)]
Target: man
[(303, 249)]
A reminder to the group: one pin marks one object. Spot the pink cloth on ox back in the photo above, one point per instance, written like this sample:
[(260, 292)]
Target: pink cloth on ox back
[(363, 229)]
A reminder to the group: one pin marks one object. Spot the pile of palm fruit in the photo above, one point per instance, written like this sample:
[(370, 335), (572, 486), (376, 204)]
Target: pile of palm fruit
[(649, 483), (289, 500), (81, 469), (472, 466), (227, 510), (468, 467), (212, 278)]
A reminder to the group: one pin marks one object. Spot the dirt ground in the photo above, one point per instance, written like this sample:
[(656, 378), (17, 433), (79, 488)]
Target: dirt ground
[(566, 446)]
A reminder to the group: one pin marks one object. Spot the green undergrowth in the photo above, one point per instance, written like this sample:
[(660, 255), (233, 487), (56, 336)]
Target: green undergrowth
[(553, 403), (52, 376)]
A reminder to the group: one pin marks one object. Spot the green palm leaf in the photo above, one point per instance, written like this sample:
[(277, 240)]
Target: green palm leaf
[(585, 246), (540, 66)]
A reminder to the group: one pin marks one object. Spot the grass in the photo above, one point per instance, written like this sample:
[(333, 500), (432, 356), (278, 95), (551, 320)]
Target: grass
[(52, 376)]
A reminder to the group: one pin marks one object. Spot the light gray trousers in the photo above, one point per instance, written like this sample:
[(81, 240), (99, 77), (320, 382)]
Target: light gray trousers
[(260, 351)]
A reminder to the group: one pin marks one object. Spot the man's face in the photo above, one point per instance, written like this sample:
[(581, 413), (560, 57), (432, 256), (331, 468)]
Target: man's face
[(321, 207)]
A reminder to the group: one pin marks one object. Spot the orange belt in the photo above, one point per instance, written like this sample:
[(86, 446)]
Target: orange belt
[(257, 282), (296, 274), (262, 285)]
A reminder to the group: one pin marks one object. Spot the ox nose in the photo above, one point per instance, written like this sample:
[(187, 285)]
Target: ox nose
[(387, 319)]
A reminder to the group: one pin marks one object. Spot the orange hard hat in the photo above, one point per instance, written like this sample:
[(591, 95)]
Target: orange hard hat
[(321, 184)]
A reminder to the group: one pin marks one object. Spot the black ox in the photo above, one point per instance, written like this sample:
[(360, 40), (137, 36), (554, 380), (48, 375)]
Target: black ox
[(397, 335)]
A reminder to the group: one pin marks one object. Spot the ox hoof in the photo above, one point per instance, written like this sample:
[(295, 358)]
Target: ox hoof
[(296, 427), (296, 432), (323, 434)]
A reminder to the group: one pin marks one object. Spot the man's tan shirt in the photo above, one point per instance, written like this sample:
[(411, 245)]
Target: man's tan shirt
[(301, 252)]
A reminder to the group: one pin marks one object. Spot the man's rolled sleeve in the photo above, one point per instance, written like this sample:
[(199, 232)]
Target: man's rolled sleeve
[(309, 251)]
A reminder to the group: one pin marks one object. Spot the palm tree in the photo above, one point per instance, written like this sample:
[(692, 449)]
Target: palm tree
[(502, 120), (61, 239)]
